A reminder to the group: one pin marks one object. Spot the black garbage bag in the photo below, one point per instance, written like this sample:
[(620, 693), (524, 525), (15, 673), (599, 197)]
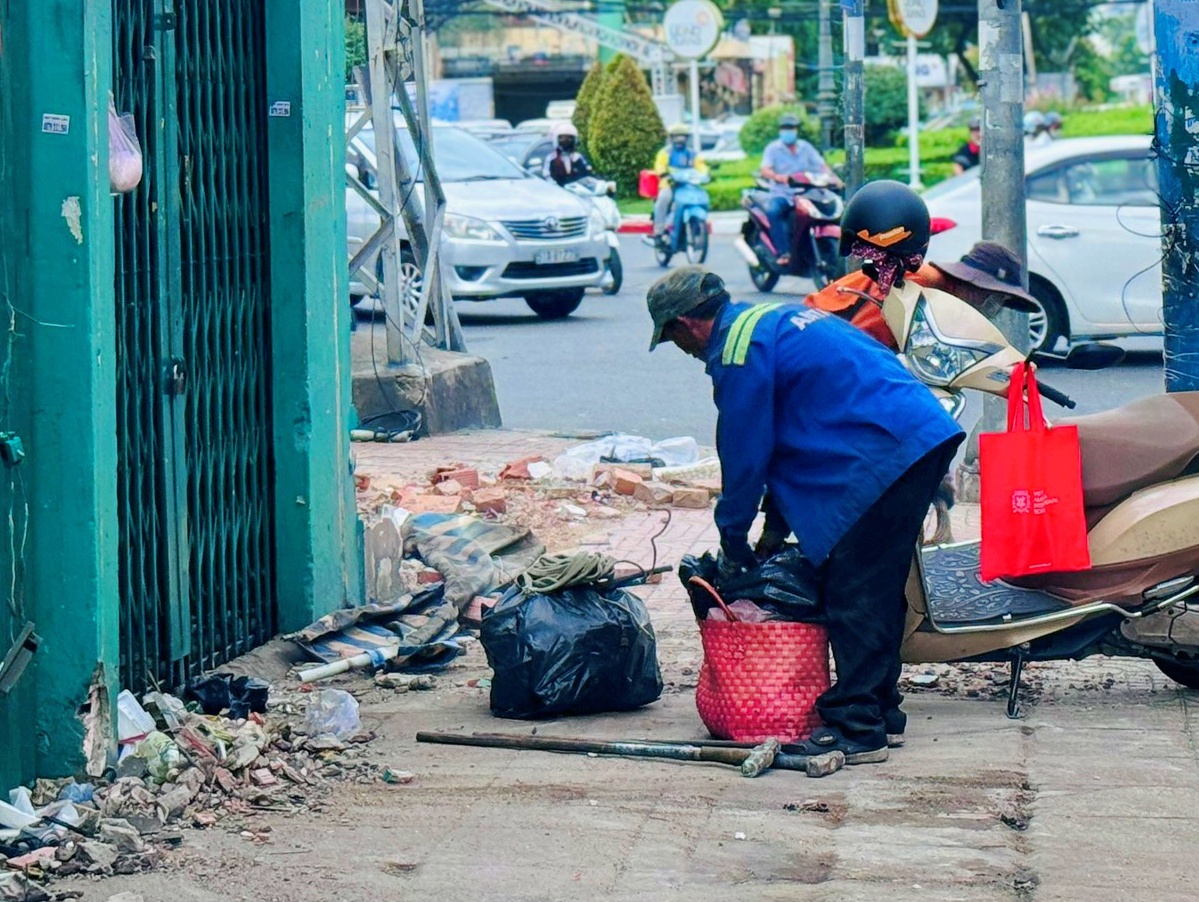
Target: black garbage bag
[(786, 585), (219, 691), (581, 650)]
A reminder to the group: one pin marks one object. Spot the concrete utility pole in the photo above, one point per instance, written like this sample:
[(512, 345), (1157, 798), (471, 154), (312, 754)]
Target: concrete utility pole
[(1001, 83), (855, 94), (1177, 68), (826, 96)]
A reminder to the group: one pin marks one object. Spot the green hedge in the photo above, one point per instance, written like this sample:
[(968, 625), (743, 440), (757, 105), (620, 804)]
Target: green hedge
[(763, 127), (936, 154)]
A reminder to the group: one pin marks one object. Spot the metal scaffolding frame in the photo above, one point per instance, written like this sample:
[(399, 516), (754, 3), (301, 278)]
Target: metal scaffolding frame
[(395, 36)]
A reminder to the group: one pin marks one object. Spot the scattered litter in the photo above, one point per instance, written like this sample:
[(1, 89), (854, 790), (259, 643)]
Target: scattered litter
[(222, 691), (815, 805), (78, 793), (924, 680), (539, 469), (572, 512), (405, 682), (520, 469), (738, 835), (399, 777), (162, 756), (133, 721), (333, 712), (578, 463)]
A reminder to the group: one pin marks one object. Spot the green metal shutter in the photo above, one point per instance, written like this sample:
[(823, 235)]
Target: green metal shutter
[(192, 306)]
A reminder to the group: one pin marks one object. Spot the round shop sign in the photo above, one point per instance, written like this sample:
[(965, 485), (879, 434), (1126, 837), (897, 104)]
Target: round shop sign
[(692, 27), (913, 17)]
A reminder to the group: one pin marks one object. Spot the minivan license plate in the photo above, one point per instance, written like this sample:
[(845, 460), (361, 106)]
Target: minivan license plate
[(546, 257)]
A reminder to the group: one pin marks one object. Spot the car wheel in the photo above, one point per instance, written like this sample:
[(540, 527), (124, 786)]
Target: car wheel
[(1183, 673), (555, 304), (412, 281), (1047, 324), (615, 274)]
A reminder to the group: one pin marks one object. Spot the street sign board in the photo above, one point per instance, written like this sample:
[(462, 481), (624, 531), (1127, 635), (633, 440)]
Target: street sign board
[(913, 18), (692, 27)]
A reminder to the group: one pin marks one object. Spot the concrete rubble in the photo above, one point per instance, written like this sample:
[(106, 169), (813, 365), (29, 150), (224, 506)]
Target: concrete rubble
[(204, 771)]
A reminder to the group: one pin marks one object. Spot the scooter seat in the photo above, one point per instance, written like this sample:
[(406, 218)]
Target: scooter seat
[(1151, 440)]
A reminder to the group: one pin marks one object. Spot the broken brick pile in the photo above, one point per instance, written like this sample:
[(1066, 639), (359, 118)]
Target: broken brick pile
[(455, 488), (229, 772)]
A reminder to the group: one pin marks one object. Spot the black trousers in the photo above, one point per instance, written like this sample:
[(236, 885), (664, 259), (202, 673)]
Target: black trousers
[(862, 584)]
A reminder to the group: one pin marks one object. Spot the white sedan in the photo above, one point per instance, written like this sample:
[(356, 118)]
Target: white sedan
[(1094, 236)]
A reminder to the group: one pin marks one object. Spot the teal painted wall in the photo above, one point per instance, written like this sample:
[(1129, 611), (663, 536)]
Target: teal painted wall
[(316, 519)]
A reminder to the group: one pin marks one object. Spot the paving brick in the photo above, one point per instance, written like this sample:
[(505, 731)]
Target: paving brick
[(466, 477), (653, 493), (625, 481), (645, 471), (490, 501), (430, 504), (691, 497)]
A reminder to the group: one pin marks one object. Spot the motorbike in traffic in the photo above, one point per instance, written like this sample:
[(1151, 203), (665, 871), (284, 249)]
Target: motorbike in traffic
[(1140, 469), (687, 231), (815, 251), (601, 195)]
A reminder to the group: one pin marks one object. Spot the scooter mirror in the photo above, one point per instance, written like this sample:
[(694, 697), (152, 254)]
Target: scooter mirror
[(1093, 355)]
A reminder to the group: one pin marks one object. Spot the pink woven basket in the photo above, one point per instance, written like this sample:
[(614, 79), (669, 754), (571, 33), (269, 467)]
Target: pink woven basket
[(760, 680)]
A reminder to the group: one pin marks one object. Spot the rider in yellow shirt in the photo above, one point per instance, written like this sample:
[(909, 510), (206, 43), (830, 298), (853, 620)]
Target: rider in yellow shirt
[(677, 154)]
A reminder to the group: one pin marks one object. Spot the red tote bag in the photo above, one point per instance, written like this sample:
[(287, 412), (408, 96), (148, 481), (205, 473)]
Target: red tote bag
[(1033, 519)]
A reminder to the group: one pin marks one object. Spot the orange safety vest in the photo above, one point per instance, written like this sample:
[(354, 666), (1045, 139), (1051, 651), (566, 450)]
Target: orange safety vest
[(840, 297)]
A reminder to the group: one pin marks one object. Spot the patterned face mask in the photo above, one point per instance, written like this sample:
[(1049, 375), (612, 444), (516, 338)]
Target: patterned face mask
[(889, 266)]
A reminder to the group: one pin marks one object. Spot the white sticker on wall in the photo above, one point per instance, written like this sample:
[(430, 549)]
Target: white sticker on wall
[(55, 124), (281, 108)]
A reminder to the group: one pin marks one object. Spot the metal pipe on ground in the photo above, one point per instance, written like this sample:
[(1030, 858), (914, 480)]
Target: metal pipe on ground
[(751, 759), (788, 757), (751, 762)]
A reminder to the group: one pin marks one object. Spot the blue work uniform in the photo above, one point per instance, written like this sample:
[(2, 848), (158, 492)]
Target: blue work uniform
[(816, 412)]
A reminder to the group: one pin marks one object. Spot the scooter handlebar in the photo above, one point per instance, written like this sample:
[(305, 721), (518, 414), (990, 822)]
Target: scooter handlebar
[(1057, 397)]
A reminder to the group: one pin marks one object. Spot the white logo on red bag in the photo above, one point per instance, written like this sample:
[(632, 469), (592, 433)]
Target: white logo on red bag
[(1038, 502)]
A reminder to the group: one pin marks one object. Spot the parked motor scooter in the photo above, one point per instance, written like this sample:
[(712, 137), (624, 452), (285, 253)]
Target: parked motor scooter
[(1140, 466), (600, 194), (687, 231), (815, 251)]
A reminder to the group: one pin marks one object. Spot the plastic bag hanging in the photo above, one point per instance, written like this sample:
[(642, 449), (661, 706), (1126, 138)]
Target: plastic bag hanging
[(124, 151)]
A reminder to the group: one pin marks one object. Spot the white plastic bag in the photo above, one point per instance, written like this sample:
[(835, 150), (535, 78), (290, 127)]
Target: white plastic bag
[(124, 151), (578, 462), (333, 711), (676, 452)]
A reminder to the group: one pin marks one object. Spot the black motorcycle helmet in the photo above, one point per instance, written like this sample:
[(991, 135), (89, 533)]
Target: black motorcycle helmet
[(888, 215)]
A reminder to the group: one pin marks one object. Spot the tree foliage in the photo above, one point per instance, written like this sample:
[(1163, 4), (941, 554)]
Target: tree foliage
[(585, 102), (886, 103), (763, 127), (625, 130), (355, 47)]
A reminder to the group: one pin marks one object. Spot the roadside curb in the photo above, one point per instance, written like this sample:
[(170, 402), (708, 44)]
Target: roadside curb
[(718, 224)]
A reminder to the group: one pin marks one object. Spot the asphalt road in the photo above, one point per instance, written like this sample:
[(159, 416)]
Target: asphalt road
[(591, 371)]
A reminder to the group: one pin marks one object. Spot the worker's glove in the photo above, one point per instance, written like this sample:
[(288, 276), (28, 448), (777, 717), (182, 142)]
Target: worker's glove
[(735, 559), (769, 544)]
